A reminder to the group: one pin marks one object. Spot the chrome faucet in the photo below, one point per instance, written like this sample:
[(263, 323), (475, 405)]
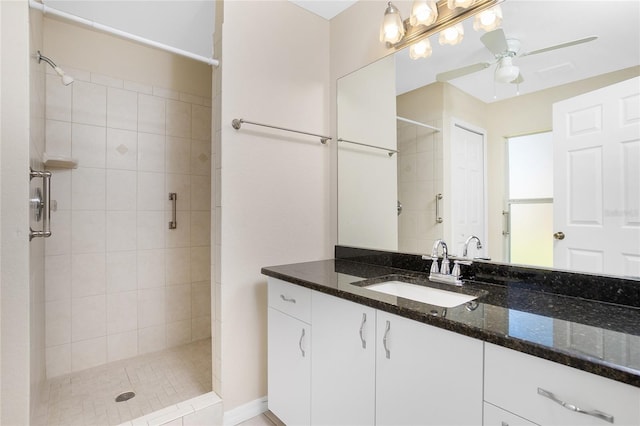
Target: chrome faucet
[(465, 250), (444, 267)]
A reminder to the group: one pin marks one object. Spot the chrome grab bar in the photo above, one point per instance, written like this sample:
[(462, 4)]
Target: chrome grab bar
[(438, 217), (173, 197), (595, 413), (42, 204)]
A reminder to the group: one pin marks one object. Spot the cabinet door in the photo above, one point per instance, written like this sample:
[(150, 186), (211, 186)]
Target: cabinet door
[(426, 375), (289, 368), (343, 370), (494, 416)]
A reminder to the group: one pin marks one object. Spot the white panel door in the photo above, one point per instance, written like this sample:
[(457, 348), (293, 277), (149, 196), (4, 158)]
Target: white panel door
[(344, 362), (597, 180), (467, 187)]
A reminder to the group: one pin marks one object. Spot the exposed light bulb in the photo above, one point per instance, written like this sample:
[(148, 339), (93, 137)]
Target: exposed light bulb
[(423, 12), (452, 4), (451, 35), (488, 20), (421, 49), (392, 29)]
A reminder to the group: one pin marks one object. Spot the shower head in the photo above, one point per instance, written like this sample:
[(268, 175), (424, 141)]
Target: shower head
[(66, 79)]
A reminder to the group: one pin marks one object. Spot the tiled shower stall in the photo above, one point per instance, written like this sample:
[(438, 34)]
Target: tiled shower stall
[(119, 282)]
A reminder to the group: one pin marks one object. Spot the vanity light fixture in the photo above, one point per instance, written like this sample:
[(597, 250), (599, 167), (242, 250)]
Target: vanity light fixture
[(397, 33), (452, 35), (488, 20), (423, 12), (392, 29), (453, 4), (421, 49)]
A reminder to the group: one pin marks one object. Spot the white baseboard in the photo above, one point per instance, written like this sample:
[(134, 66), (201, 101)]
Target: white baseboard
[(245, 412)]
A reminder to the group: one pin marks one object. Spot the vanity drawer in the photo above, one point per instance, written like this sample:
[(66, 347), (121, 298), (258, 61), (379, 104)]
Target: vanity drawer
[(290, 299), (526, 385)]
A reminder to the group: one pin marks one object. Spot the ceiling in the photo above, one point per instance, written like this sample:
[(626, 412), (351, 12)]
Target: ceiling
[(324, 8), (537, 24)]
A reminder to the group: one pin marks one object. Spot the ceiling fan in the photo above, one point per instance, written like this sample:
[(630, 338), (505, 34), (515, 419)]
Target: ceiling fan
[(504, 51)]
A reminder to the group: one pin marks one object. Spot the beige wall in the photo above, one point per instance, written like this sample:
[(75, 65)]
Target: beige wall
[(274, 185), (14, 226), (91, 50)]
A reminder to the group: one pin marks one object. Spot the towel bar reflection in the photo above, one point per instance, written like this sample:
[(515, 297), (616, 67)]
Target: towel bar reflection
[(42, 204), (173, 197)]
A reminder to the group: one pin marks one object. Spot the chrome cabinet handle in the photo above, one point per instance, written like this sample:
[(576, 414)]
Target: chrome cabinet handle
[(42, 204), (595, 413), (438, 217), (384, 340), (173, 197), (364, 320), (286, 299), (300, 343)]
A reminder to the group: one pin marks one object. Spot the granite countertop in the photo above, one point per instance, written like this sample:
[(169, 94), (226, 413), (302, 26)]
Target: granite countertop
[(595, 336)]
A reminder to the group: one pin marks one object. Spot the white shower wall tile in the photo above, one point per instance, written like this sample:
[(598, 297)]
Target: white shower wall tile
[(178, 119), (122, 149), (57, 269), (88, 317), (88, 145), (177, 155), (58, 137), (122, 271), (89, 104), (118, 282), (122, 230), (122, 312), (88, 231), (88, 275), (122, 109), (151, 114), (58, 99), (178, 266), (151, 150), (88, 353)]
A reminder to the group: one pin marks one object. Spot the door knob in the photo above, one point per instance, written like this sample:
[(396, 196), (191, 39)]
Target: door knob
[(559, 235)]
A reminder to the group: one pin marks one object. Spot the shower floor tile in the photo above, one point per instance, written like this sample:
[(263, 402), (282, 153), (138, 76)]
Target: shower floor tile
[(158, 379)]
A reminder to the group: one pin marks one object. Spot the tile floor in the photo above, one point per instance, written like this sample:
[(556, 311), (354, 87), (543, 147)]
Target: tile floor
[(159, 379)]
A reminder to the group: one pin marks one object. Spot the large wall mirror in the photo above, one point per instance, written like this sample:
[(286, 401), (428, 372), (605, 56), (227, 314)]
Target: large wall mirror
[(440, 148)]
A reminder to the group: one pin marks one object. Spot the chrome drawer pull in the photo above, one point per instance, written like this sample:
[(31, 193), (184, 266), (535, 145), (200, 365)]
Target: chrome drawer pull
[(364, 320), (595, 413), (173, 197), (384, 340), (300, 343), (286, 299)]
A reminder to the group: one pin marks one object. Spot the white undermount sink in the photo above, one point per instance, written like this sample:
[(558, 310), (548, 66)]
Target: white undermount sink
[(420, 293)]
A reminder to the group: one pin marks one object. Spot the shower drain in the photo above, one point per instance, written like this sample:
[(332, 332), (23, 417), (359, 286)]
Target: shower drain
[(125, 396)]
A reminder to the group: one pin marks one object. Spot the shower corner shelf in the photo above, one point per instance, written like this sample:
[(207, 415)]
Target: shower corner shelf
[(59, 162)]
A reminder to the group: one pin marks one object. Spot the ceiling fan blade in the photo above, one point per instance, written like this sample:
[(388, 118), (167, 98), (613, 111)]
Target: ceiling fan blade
[(460, 72), (495, 41), (560, 46)]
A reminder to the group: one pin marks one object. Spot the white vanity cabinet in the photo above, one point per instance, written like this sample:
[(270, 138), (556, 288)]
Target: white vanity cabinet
[(426, 375), (343, 368), (289, 352), (535, 388)]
